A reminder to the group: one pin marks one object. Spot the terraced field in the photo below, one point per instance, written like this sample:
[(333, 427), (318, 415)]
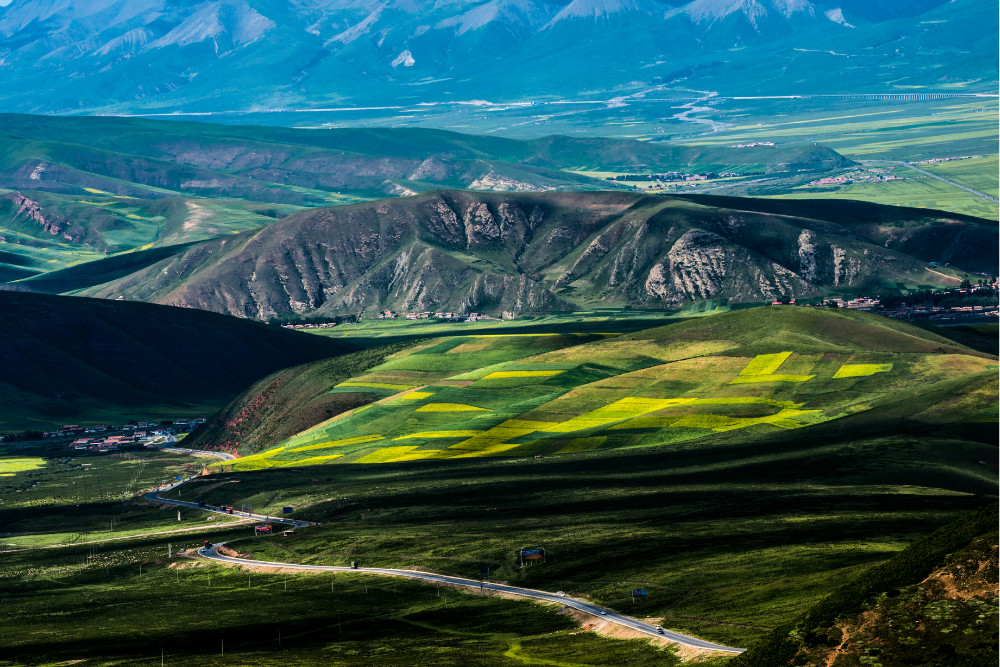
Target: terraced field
[(473, 396)]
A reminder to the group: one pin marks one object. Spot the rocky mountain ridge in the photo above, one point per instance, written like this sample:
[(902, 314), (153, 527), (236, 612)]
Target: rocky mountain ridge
[(118, 55), (531, 253)]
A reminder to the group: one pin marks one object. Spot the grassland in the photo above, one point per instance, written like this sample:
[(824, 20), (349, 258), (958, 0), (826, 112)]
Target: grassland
[(639, 463), (539, 394), (882, 134), (70, 590), (217, 615), (655, 472), (53, 498)]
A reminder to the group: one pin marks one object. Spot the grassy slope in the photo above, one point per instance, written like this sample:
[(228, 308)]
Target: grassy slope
[(452, 398), (934, 604), (73, 359), (287, 402), (127, 183), (734, 533)]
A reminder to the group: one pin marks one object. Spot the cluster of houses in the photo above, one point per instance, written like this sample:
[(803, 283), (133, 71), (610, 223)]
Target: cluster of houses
[(947, 159), (859, 176), (920, 312), (107, 438), (323, 325), (451, 317), (753, 144)]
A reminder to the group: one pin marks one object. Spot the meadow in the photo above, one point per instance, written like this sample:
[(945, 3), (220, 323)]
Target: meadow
[(736, 466), (69, 591), (53, 498), (881, 134), (544, 394), (82, 606)]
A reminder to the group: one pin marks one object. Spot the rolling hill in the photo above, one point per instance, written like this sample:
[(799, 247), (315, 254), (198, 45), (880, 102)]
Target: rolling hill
[(92, 361), (934, 604), (482, 252), (76, 190), (760, 370), (741, 466)]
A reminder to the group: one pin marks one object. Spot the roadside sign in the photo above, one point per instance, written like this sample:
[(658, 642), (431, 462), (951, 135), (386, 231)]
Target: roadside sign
[(532, 556), (640, 593)]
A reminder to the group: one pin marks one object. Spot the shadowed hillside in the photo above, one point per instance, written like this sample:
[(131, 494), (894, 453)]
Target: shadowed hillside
[(88, 360)]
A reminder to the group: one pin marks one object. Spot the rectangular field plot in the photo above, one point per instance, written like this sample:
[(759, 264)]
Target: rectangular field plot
[(861, 370), (11, 466), (373, 385), (757, 379), (765, 364), (338, 443), (449, 407), (416, 395), (505, 375)]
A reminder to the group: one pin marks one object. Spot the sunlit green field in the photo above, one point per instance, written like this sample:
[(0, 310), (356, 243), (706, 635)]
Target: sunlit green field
[(57, 499), (977, 173), (916, 190), (883, 132), (487, 395)]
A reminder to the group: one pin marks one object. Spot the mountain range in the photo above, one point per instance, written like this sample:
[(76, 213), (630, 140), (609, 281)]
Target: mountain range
[(538, 252), (68, 56), (76, 189)]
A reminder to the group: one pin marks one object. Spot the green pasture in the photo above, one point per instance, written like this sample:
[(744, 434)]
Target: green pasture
[(916, 190), (80, 603), (980, 173), (869, 130), (732, 536), (374, 332), (539, 395), (737, 466), (9, 466), (53, 498)]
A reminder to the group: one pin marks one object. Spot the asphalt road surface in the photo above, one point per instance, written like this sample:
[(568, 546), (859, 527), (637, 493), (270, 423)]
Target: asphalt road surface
[(155, 496), (600, 612)]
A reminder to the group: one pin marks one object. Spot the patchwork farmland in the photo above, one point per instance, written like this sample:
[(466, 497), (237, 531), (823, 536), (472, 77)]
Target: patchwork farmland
[(471, 396)]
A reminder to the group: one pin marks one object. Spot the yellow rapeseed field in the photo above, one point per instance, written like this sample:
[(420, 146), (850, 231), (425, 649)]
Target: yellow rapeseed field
[(861, 370)]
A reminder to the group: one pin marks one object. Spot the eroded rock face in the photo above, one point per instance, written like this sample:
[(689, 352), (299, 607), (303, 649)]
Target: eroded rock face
[(490, 253), (32, 210)]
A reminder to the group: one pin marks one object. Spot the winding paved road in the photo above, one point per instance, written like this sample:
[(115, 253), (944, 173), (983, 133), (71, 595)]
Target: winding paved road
[(600, 612)]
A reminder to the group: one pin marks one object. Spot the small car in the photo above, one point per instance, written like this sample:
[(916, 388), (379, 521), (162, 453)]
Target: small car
[(659, 629)]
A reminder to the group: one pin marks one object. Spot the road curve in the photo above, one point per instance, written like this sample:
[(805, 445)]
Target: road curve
[(155, 496), (606, 614)]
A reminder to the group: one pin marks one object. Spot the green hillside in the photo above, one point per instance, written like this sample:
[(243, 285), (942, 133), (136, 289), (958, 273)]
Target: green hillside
[(70, 359), (934, 604), (762, 370), (75, 189), (740, 465)]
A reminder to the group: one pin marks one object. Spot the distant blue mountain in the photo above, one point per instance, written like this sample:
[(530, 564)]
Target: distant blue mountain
[(145, 55)]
